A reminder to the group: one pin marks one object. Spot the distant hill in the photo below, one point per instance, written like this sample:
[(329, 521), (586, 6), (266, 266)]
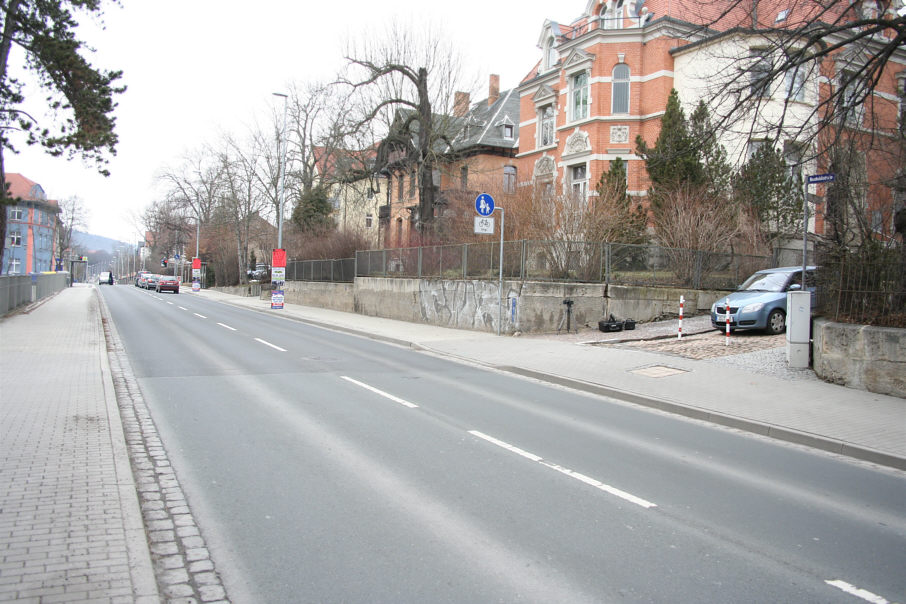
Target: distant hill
[(95, 243)]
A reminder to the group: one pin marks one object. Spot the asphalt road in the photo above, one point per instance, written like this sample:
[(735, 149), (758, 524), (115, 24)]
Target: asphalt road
[(325, 467)]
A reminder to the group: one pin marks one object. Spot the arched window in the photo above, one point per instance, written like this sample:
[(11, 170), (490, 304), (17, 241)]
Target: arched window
[(613, 14), (550, 53), (579, 92), (620, 89)]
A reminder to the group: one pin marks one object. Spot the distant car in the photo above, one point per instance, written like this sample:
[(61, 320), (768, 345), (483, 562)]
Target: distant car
[(105, 278), (151, 281), (138, 278), (760, 302), (167, 283)]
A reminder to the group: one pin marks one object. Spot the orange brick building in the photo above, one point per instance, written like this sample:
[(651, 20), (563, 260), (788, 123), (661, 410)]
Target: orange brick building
[(604, 79)]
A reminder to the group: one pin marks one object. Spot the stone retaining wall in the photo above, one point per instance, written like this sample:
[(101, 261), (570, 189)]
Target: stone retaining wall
[(860, 356)]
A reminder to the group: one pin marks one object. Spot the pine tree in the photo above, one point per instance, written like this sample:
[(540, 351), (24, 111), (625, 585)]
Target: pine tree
[(674, 159), (766, 186)]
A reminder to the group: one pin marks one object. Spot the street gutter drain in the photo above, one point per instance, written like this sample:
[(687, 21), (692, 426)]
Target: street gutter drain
[(658, 371)]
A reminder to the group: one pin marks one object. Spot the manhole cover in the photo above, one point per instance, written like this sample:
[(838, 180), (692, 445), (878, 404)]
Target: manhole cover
[(657, 371)]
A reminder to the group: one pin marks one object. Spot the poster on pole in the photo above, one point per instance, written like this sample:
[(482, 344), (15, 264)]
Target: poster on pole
[(278, 278)]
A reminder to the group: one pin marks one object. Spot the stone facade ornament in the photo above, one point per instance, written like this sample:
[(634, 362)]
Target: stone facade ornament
[(544, 166), (577, 143), (619, 134)]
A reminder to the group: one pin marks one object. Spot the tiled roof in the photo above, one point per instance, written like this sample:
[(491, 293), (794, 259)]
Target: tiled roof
[(24, 188)]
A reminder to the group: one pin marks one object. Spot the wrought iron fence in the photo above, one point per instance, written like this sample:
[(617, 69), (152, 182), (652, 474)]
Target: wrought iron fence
[(590, 262), (855, 289)]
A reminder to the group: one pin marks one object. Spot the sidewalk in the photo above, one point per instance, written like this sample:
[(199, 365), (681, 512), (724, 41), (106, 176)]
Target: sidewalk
[(70, 525), (803, 410)]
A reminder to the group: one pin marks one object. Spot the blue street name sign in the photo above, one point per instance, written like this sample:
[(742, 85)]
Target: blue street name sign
[(484, 204), (821, 178)]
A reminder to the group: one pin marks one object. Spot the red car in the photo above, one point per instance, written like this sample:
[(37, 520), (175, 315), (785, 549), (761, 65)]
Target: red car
[(167, 283)]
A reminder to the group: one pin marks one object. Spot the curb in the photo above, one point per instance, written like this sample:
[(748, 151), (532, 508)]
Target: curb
[(141, 570), (789, 435)]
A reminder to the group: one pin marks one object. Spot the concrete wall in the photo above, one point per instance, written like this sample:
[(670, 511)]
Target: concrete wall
[(335, 296), (529, 306), (860, 356)]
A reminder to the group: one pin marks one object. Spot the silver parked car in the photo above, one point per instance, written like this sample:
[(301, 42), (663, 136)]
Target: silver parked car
[(760, 302)]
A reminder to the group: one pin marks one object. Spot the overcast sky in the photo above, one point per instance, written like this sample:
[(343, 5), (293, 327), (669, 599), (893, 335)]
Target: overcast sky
[(196, 68)]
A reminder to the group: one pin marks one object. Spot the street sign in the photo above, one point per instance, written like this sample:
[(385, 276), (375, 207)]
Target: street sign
[(484, 225), (816, 178), (484, 204)]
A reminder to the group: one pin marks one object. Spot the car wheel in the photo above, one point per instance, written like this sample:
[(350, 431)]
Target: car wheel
[(776, 322)]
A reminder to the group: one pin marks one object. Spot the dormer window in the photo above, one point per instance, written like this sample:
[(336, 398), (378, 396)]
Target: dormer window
[(782, 16), (508, 131), (550, 53)]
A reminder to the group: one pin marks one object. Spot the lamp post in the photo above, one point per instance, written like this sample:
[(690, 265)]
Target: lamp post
[(282, 192)]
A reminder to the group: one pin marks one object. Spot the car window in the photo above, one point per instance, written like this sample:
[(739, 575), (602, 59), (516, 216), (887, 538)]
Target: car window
[(766, 282)]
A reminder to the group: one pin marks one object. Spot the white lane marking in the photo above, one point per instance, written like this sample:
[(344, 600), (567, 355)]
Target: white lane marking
[(855, 591), (566, 471), (182, 308), (227, 326), (504, 445), (395, 399), (198, 315), (600, 485), (170, 303), (274, 346)]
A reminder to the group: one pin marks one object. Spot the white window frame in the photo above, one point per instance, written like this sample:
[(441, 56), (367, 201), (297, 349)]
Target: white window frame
[(551, 56), (369, 220), (578, 186), (15, 239), (613, 88), (509, 131), (579, 96), (794, 81), (14, 265), (547, 124), (16, 214)]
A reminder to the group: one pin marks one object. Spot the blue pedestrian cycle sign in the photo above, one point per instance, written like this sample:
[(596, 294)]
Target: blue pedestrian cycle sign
[(484, 204)]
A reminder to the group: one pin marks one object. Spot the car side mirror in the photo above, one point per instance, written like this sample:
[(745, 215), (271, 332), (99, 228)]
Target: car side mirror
[(795, 287)]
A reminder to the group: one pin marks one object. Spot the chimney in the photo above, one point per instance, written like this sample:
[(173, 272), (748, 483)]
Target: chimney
[(494, 89), (461, 103)]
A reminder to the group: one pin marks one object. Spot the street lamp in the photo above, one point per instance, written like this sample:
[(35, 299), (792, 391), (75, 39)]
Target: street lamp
[(282, 192)]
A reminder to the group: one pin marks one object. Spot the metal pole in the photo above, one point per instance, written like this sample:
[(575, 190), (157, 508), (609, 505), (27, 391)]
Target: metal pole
[(500, 277), (282, 192)]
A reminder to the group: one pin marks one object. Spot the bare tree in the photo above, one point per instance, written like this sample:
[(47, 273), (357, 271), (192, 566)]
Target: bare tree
[(242, 201), (408, 83), (73, 216)]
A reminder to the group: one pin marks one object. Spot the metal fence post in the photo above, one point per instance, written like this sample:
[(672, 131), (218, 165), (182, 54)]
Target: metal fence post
[(465, 260)]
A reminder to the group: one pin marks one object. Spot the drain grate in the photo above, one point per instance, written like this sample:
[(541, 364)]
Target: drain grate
[(658, 371)]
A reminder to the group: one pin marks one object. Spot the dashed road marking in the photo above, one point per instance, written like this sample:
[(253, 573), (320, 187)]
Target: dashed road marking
[(395, 399), (855, 591), (566, 471), (266, 343)]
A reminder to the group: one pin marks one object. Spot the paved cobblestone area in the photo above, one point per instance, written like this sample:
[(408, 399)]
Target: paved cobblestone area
[(709, 345), (183, 566), (69, 524)]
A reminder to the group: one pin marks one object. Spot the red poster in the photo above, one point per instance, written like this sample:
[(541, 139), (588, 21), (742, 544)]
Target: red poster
[(196, 262), (279, 259)]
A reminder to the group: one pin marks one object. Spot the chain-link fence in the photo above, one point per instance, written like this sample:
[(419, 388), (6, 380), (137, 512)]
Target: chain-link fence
[(340, 270), (590, 262)]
